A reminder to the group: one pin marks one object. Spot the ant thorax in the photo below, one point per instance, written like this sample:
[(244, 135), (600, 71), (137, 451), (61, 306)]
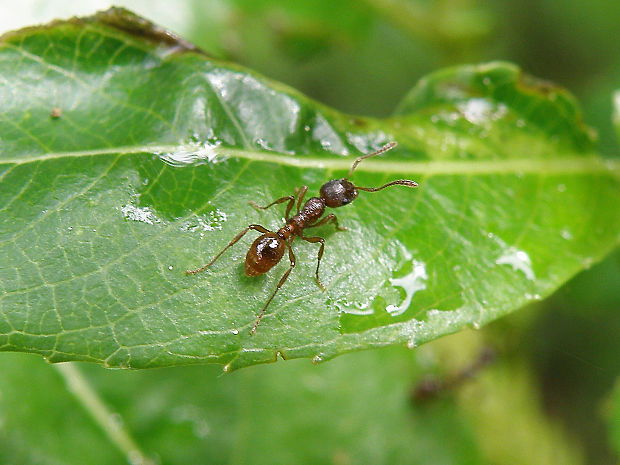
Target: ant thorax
[(312, 210)]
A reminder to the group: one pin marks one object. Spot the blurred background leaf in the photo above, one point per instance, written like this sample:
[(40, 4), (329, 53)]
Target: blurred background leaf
[(565, 348)]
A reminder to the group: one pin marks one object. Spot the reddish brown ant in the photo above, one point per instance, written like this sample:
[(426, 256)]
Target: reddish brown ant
[(266, 251)]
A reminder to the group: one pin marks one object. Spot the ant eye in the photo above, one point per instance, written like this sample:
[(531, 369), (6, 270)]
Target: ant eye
[(338, 192)]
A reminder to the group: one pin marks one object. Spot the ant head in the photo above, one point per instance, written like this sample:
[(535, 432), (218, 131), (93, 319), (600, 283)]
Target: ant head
[(338, 192)]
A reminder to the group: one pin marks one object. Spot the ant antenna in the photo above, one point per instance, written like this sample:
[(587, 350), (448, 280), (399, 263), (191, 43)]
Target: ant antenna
[(400, 182), (385, 148)]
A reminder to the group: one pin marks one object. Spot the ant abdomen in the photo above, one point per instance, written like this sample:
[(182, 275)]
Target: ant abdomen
[(265, 252)]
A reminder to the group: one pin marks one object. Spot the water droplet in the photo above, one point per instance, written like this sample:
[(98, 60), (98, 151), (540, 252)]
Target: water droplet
[(210, 221), (566, 234), (226, 368), (411, 283), (235, 331), (561, 188), (486, 81), (171, 267), (144, 214), (406, 254), (480, 111), (262, 143), (317, 359), (411, 344), (306, 128), (518, 260), (353, 308), (70, 228), (192, 154)]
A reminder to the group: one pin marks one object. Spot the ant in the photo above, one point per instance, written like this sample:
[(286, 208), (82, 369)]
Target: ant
[(267, 251)]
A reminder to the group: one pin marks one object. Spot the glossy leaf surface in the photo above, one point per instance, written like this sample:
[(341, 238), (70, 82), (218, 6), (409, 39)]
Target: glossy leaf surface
[(126, 157)]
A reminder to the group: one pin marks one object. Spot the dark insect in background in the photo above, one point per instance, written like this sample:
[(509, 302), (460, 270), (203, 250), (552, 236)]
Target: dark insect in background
[(267, 251)]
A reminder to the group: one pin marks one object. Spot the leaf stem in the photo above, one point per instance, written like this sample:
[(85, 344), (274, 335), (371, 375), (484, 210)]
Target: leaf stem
[(79, 386)]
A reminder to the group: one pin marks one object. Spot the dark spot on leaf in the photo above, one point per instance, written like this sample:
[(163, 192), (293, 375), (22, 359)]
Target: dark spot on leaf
[(531, 84), (358, 122), (125, 20)]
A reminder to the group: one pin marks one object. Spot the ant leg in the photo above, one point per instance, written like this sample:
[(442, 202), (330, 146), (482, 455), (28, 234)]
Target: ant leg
[(331, 218), (256, 227), (318, 262), (301, 193), (291, 257), (289, 198)]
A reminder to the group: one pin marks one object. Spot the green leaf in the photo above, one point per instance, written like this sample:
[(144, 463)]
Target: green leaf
[(616, 113), (28, 410), (613, 417), (276, 414), (127, 156)]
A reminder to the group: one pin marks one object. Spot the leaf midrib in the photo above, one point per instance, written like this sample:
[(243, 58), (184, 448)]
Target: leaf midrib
[(570, 164)]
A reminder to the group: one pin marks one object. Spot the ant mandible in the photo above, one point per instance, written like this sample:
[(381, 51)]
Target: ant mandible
[(267, 251)]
